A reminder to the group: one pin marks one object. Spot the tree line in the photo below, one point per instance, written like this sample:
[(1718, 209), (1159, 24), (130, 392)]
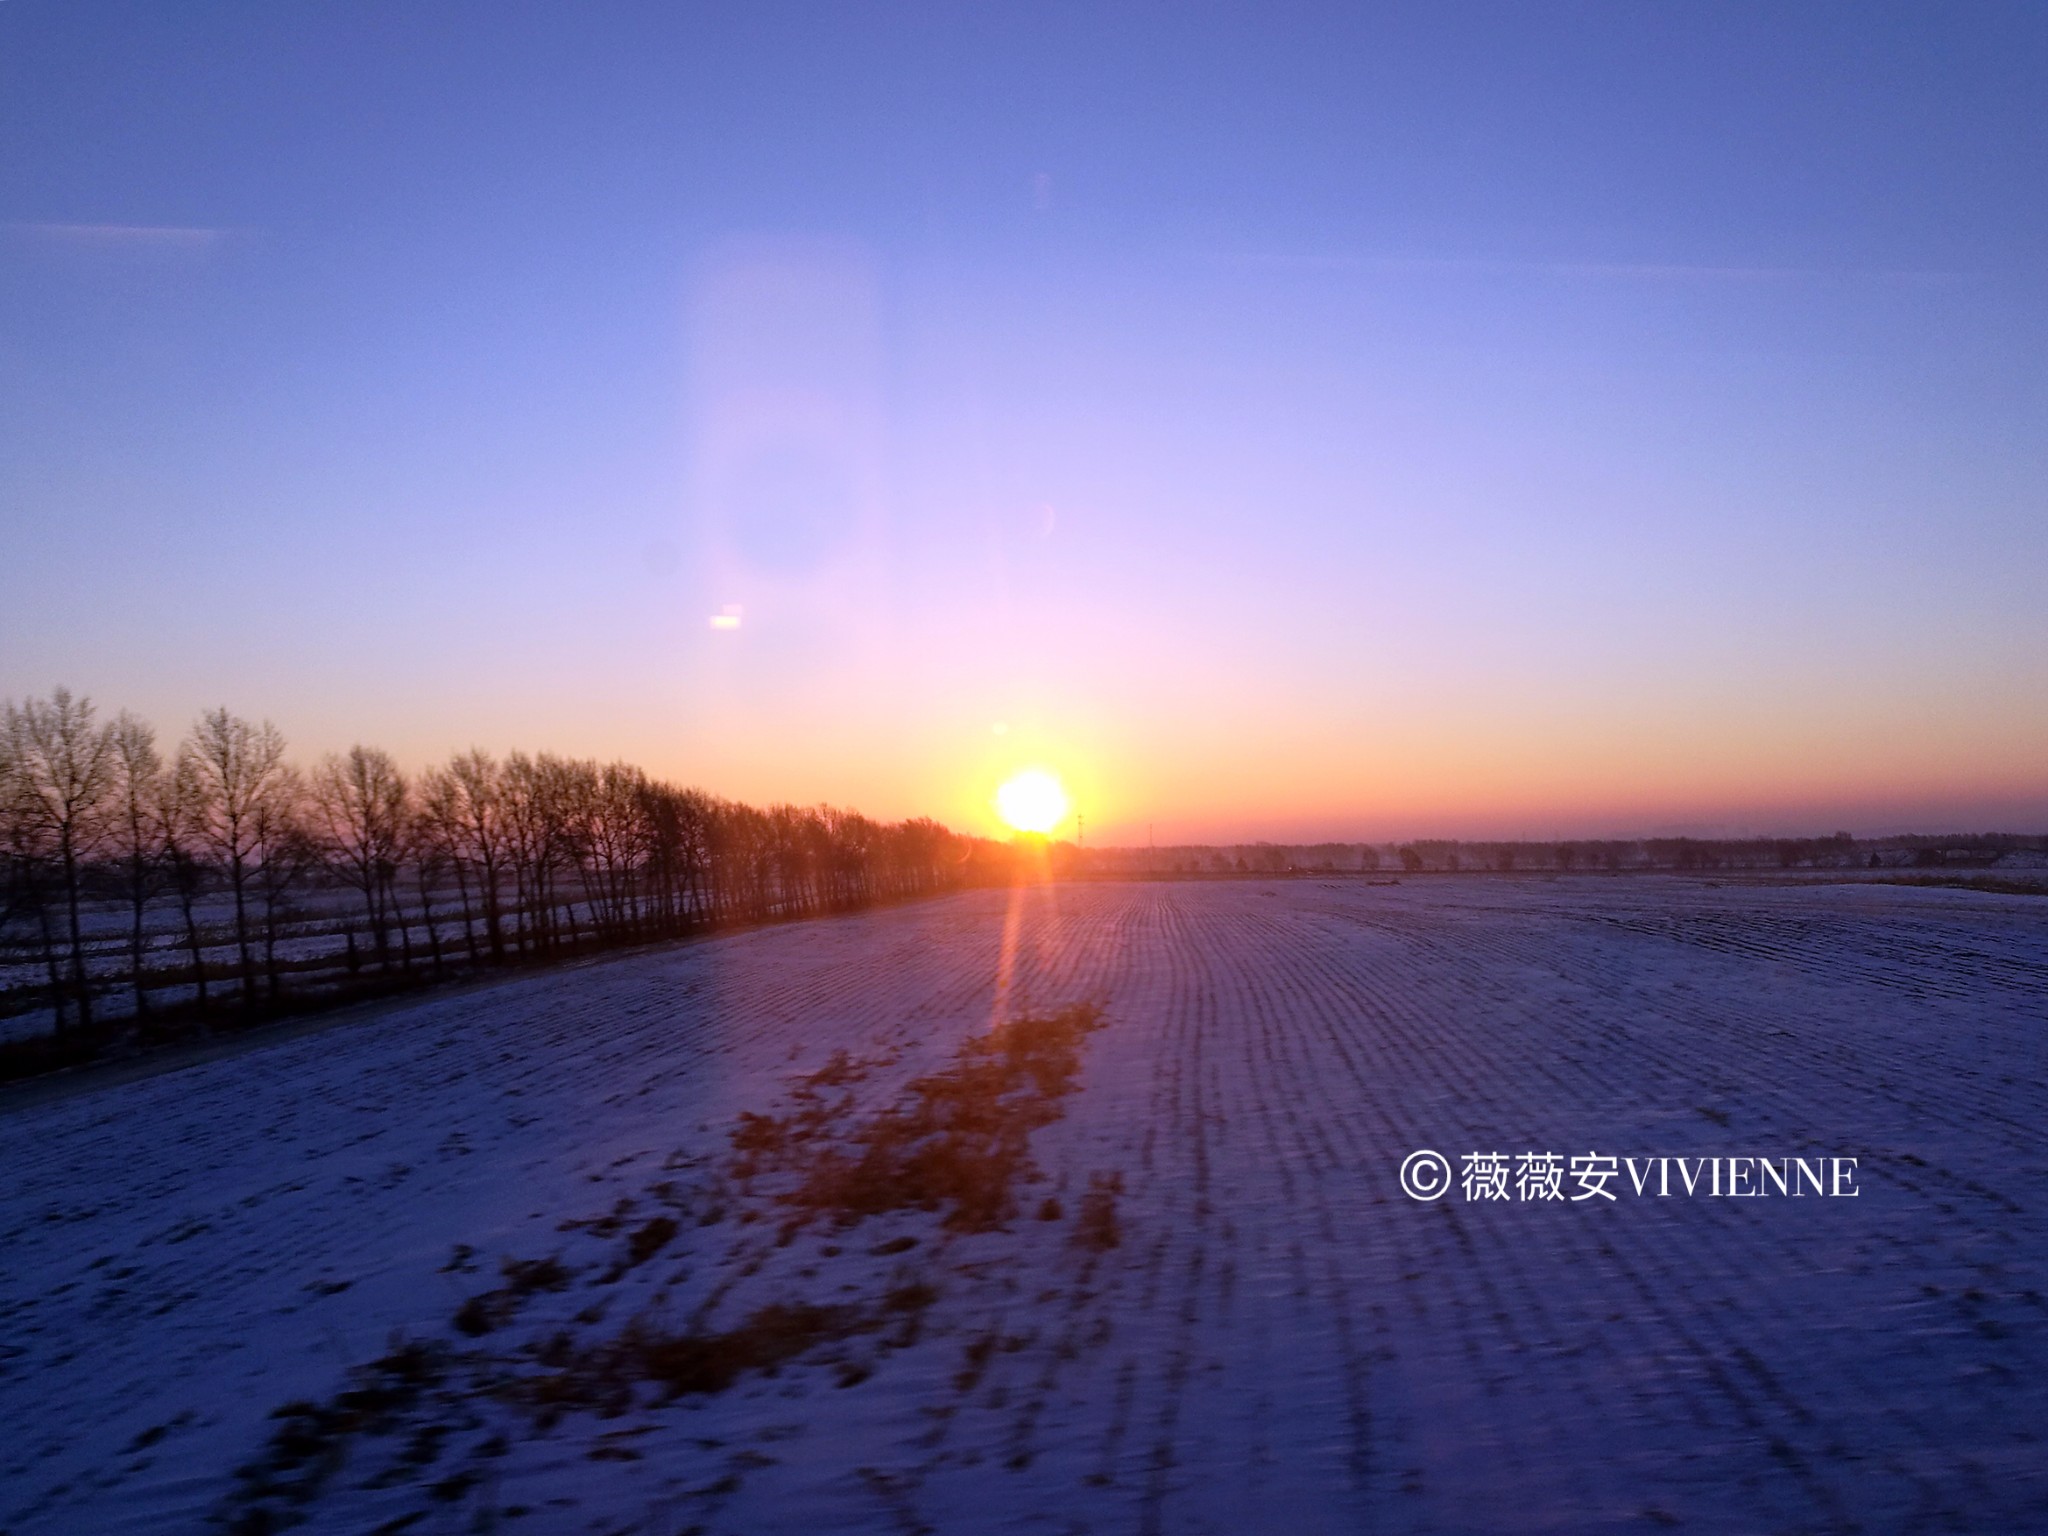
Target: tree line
[(476, 860), (1837, 851)]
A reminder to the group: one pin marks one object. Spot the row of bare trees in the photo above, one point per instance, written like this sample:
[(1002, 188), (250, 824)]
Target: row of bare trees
[(219, 844)]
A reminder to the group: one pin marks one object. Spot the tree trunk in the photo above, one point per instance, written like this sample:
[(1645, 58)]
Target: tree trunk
[(433, 933), (198, 949), (135, 945), (239, 879), (52, 965), (396, 910), (79, 979), (468, 919)]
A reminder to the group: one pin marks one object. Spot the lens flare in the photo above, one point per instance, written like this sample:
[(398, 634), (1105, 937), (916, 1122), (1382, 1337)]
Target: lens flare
[(1032, 801)]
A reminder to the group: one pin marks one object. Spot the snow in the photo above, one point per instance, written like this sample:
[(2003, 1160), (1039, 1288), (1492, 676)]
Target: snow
[(1280, 1340)]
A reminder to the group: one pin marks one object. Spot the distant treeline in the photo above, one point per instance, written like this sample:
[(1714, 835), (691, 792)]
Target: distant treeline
[(1841, 851), (146, 882)]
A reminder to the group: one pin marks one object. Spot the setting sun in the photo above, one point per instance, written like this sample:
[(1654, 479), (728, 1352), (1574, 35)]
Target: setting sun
[(1032, 801)]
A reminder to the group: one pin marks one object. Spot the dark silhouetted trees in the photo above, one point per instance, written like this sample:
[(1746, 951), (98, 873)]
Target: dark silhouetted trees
[(231, 770), (270, 884), (61, 782)]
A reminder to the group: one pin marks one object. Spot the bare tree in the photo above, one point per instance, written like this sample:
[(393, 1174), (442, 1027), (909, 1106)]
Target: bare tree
[(438, 842), (64, 779), (475, 800), (590, 853), (535, 797), (362, 802), (425, 846), (25, 850), (139, 836), (610, 840), (181, 812), (232, 766), (286, 855), (678, 830)]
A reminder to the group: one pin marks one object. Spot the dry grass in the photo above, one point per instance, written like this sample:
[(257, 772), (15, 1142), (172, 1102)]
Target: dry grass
[(957, 1142)]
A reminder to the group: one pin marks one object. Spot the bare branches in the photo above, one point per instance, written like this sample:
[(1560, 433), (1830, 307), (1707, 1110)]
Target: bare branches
[(274, 886), (364, 810), (140, 835), (231, 770), (61, 783)]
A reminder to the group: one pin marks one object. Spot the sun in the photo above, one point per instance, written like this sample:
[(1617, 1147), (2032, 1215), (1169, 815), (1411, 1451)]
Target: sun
[(1032, 801)]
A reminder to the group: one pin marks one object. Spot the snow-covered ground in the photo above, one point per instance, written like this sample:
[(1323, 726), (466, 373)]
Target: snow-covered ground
[(1228, 1318)]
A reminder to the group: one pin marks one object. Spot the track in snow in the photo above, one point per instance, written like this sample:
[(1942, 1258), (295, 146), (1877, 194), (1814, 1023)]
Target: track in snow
[(1281, 1339)]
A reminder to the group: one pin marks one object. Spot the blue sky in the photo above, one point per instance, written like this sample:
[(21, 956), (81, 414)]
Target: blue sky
[(1280, 421)]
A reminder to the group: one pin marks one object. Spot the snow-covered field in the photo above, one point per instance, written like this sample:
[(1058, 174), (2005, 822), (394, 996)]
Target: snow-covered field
[(1213, 1308)]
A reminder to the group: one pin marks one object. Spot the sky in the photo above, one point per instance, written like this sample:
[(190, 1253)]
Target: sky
[(1284, 422)]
